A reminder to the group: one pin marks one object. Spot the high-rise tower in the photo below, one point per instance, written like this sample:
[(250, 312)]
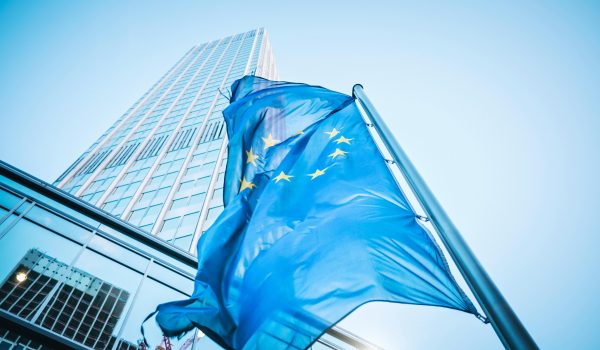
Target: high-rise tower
[(75, 277), (160, 166)]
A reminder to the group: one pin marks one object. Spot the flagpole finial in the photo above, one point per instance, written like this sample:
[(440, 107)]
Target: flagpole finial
[(354, 89)]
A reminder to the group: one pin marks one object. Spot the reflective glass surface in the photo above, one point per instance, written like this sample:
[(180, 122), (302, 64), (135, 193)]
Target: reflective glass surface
[(88, 285), (154, 167)]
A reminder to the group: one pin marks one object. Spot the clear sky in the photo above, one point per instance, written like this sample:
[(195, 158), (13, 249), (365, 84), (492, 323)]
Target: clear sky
[(497, 103)]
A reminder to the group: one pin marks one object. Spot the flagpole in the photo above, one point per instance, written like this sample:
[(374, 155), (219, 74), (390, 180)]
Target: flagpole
[(505, 322)]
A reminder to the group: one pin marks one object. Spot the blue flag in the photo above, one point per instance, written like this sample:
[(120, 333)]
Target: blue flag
[(314, 226)]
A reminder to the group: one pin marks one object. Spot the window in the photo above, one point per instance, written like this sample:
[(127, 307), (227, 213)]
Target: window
[(213, 213), (136, 216), (58, 224), (188, 224), (169, 228), (179, 203), (161, 292)]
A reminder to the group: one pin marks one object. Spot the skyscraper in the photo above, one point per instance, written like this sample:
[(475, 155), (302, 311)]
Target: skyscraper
[(82, 271), (160, 166)]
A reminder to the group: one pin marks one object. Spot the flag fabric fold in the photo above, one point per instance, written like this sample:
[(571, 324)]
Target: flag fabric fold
[(313, 227)]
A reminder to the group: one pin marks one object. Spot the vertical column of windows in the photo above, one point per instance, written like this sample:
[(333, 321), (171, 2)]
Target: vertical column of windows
[(256, 53), (184, 212), (198, 112), (267, 59), (260, 62), (269, 66), (213, 203), (183, 215)]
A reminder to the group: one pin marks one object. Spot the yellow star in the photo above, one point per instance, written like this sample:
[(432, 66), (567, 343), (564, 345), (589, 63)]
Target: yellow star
[(338, 152), (246, 184), (251, 157), (283, 176), (269, 141), (316, 174), (299, 133), (343, 139), (332, 133)]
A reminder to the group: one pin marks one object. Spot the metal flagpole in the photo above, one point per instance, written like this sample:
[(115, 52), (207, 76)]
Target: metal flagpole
[(507, 325)]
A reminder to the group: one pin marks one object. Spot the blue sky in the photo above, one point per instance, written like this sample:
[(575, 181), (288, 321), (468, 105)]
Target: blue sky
[(496, 103)]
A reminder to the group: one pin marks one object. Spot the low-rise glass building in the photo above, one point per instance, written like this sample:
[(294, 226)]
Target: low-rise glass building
[(73, 276)]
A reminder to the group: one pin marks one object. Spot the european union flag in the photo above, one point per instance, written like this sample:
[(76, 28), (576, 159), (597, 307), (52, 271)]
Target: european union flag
[(314, 226)]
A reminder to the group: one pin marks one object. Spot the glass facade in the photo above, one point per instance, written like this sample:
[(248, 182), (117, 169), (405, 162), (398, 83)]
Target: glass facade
[(74, 276), (160, 165), (90, 281), (86, 260)]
